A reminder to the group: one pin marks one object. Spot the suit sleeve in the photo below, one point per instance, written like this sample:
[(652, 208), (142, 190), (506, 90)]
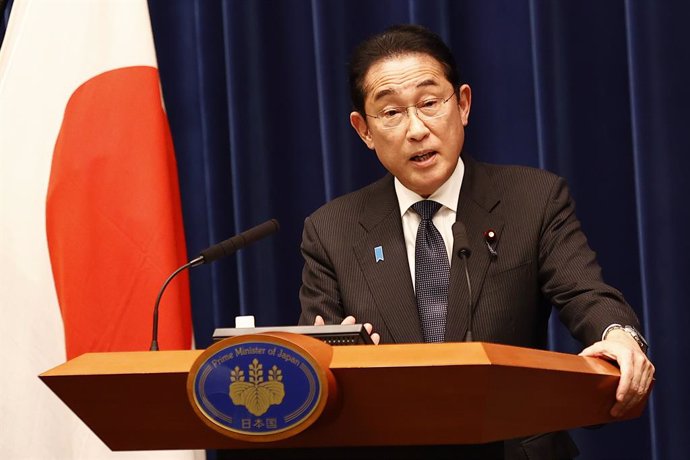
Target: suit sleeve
[(319, 294), (570, 276)]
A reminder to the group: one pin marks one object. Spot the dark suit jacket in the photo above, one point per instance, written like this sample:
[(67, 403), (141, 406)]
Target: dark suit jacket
[(543, 259)]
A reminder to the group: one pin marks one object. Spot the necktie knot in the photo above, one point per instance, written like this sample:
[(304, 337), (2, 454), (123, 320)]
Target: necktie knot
[(426, 208)]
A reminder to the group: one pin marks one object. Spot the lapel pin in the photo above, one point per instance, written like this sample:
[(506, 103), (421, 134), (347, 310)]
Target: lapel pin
[(378, 253), (490, 238)]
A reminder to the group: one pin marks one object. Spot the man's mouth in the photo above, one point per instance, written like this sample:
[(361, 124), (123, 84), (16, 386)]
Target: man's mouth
[(423, 156)]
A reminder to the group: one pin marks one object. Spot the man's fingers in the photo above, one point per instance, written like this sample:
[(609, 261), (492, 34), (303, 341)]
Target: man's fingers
[(597, 350), (648, 376), (625, 390), (376, 338), (349, 320), (618, 409), (644, 373), (627, 367), (636, 373)]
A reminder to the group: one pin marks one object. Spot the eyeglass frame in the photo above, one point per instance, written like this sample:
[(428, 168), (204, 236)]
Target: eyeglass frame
[(416, 112)]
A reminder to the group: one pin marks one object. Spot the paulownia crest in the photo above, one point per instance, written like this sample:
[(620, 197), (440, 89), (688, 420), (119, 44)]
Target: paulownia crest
[(256, 395)]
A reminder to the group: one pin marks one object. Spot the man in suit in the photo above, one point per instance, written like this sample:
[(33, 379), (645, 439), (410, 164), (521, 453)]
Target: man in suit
[(363, 258)]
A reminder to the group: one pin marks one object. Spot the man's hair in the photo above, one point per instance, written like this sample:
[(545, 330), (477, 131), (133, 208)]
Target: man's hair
[(397, 40)]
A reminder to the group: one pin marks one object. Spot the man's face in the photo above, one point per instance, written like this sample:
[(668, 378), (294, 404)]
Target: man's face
[(421, 152)]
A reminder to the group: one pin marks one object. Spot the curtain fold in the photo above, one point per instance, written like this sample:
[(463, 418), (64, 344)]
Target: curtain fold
[(597, 92), (659, 69)]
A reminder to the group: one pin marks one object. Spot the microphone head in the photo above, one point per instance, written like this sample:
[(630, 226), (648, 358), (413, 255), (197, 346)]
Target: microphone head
[(460, 240), (237, 242), (213, 253)]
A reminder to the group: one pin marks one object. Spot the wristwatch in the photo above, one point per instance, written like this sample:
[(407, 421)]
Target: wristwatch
[(634, 333)]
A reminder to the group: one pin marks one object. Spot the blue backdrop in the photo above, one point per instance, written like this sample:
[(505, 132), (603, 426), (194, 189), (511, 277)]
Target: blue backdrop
[(595, 91)]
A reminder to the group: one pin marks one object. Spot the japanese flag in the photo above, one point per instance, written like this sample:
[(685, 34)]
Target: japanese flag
[(90, 216)]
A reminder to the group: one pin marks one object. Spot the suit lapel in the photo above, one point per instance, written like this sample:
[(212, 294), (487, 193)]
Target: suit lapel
[(389, 279), (475, 206)]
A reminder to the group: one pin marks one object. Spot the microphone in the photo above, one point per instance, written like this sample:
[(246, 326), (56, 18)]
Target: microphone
[(237, 242), (464, 251), (211, 254)]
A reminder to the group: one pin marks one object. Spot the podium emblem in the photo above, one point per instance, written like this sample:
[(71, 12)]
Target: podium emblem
[(256, 395), (256, 388)]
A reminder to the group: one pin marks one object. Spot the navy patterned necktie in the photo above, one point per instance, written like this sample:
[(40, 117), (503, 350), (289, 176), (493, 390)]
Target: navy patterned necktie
[(432, 273)]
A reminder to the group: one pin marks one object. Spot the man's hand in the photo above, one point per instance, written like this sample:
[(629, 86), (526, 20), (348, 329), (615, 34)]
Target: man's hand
[(351, 320), (637, 371)]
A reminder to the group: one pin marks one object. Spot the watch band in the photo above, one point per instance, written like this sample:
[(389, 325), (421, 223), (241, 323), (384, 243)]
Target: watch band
[(634, 333)]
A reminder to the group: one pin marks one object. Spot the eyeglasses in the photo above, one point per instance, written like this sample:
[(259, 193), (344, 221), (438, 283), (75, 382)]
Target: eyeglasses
[(391, 117)]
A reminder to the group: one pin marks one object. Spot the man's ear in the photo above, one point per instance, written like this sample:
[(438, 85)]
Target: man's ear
[(360, 124), (464, 103)]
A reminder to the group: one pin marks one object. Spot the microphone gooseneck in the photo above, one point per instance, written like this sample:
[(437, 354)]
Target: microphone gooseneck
[(211, 254), (154, 338), (464, 252)]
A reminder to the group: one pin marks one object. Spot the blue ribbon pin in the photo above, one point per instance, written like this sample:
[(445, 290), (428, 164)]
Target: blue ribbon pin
[(378, 253)]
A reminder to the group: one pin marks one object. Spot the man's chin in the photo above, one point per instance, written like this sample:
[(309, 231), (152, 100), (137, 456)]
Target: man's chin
[(425, 188)]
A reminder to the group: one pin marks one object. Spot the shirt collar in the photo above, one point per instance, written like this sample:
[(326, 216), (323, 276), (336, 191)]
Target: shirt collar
[(447, 194)]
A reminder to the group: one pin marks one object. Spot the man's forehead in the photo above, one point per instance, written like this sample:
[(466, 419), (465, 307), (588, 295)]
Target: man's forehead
[(393, 75), (392, 91)]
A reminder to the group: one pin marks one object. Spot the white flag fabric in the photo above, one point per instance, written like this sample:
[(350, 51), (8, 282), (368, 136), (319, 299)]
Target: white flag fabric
[(90, 219)]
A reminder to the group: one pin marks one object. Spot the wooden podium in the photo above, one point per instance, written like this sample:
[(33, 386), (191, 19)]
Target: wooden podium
[(413, 394)]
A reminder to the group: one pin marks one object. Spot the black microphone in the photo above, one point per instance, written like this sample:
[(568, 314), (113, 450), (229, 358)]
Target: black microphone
[(237, 242), (464, 251), (215, 252)]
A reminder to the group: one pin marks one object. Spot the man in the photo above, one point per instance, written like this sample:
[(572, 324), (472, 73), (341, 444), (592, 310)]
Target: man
[(373, 254)]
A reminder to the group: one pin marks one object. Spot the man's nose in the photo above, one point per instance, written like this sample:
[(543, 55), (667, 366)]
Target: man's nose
[(417, 129)]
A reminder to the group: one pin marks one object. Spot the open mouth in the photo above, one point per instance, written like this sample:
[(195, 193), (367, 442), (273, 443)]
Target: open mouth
[(423, 156)]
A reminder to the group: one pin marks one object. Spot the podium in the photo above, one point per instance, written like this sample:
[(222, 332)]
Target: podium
[(388, 395)]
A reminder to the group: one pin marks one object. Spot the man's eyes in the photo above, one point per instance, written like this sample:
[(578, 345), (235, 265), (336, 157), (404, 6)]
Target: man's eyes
[(429, 103), (392, 112)]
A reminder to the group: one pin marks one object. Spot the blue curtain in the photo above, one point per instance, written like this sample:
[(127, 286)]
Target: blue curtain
[(595, 91)]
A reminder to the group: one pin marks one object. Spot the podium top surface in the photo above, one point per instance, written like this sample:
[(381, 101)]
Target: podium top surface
[(354, 356), (442, 393)]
